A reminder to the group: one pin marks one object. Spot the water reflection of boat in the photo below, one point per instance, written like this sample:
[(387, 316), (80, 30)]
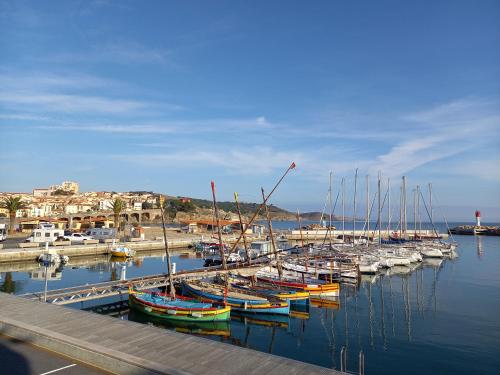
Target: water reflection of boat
[(330, 303), (222, 328), (261, 319), (432, 262), (298, 314), (372, 279)]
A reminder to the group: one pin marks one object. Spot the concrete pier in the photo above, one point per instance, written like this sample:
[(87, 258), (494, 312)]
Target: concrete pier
[(32, 253), (125, 347)]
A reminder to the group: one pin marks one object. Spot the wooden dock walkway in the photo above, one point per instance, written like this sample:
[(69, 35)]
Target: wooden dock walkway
[(126, 347), (105, 289)]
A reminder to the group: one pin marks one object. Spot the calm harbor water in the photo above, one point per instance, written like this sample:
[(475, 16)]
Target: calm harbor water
[(444, 317)]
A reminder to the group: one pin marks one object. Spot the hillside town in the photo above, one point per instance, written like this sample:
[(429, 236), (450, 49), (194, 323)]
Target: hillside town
[(66, 199)]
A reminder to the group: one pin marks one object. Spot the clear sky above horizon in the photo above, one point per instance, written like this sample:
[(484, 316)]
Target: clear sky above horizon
[(166, 96)]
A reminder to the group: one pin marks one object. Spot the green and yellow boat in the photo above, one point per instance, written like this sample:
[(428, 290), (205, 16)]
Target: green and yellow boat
[(178, 308)]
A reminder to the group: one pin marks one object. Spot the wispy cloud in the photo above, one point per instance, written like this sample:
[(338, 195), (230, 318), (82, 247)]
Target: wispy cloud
[(72, 93), (449, 129), (169, 126), (70, 103), (22, 116), (256, 160), (116, 53)]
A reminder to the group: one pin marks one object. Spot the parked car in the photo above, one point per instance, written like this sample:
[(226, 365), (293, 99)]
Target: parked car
[(77, 237)]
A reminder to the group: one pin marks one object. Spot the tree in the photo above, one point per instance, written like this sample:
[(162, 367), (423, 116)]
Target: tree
[(12, 204), (147, 205), (62, 192), (172, 206), (117, 206)]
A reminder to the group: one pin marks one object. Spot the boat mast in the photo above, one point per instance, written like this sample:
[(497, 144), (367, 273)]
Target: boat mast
[(302, 239), (331, 209), (367, 209), (418, 212), (249, 261), (300, 228), (221, 245), (430, 203), (405, 222), (169, 263), (292, 166), (414, 214), (379, 210), (354, 214), (343, 209), (401, 211), (268, 217), (388, 207)]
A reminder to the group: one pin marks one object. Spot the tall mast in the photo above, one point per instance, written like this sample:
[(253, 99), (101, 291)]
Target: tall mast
[(354, 213), (331, 209), (169, 263), (379, 211), (414, 213), (401, 211), (388, 207), (278, 263), (219, 233), (405, 222), (343, 209), (418, 212), (302, 239), (367, 208), (430, 203), (249, 261), (292, 166)]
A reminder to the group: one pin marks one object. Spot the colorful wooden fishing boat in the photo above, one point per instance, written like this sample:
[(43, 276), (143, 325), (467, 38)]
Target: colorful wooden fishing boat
[(177, 309), (293, 297), (238, 300), (294, 281)]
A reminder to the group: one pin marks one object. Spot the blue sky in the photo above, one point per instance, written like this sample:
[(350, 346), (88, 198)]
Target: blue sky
[(165, 96)]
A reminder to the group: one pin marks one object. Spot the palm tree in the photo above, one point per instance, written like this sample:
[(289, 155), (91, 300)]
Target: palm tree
[(117, 206), (12, 204)]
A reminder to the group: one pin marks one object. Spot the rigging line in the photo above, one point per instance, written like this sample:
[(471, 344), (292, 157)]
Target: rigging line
[(333, 210), (371, 208), (430, 218), (445, 220), (381, 207)]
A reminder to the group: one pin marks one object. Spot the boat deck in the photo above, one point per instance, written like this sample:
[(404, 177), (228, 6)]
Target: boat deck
[(126, 347)]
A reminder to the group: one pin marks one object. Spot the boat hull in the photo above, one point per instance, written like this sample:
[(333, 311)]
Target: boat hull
[(249, 305), (178, 314)]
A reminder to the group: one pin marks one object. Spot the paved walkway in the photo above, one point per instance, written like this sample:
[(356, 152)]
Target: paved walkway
[(20, 358), (126, 347)]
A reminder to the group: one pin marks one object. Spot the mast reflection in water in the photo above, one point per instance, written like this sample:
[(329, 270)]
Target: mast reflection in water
[(441, 317)]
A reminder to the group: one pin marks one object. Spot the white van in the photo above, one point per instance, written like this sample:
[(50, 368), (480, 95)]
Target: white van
[(45, 232), (3, 232), (101, 233)]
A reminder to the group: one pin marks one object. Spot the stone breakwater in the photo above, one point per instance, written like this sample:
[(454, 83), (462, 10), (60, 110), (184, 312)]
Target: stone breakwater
[(476, 230)]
